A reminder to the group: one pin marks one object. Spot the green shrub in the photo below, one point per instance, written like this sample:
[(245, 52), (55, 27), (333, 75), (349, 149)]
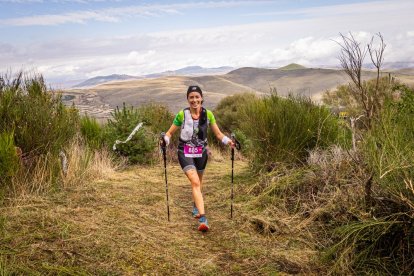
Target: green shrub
[(405, 104), (42, 125), (228, 110), (142, 146), (9, 161), (40, 121), (156, 116), (92, 132), (389, 146), (228, 117), (285, 129)]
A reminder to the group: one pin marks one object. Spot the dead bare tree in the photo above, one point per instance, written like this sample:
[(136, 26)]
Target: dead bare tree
[(352, 58), (377, 58)]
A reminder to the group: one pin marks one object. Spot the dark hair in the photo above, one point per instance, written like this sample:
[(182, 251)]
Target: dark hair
[(194, 88)]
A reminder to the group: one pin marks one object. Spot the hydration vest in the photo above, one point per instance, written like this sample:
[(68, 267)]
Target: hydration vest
[(189, 135)]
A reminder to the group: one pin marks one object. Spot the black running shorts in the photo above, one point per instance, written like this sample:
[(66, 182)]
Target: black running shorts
[(188, 163)]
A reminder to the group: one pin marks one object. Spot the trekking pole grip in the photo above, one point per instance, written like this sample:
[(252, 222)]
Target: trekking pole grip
[(163, 143)]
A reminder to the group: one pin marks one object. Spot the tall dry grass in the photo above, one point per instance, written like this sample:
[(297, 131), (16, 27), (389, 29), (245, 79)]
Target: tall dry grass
[(45, 173), (85, 164)]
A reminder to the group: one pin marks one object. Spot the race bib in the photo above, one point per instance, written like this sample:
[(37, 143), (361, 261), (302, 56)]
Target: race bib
[(193, 152)]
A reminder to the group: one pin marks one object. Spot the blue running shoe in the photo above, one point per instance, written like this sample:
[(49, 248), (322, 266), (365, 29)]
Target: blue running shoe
[(203, 227), (195, 212)]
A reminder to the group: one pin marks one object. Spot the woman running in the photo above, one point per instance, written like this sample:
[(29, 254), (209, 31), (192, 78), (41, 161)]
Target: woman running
[(192, 152)]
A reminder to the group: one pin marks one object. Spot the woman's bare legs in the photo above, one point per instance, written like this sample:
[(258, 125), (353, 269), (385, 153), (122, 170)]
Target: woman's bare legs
[(196, 179)]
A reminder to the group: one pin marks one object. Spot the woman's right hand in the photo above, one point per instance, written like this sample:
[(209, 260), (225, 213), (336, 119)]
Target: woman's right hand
[(166, 140)]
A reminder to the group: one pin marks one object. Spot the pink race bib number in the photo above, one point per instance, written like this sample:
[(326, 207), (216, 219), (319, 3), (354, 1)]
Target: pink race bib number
[(193, 152)]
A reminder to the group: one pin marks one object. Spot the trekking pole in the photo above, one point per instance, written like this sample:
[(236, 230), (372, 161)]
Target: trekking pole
[(164, 153), (233, 138)]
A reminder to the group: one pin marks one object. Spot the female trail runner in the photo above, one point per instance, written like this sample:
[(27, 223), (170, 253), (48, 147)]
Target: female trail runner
[(193, 122)]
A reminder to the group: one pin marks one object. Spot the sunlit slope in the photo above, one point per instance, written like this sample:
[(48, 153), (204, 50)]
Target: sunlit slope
[(308, 81), (171, 90), (167, 90)]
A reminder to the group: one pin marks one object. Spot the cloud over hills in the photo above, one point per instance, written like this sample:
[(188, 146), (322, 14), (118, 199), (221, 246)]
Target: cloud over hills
[(137, 39)]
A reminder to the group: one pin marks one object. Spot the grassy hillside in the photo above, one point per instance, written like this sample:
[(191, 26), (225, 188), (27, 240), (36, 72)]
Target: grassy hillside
[(404, 75), (292, 66), (168, 90), (292, 79), (310, 82)]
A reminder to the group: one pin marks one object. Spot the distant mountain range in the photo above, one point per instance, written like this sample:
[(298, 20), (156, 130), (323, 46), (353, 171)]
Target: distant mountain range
[(395, 65), (186, 71), (103, 79), (202, 71), (192, 71), (170, 89)]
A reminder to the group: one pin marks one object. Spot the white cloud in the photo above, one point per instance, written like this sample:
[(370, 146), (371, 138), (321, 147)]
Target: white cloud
[(144, 54), (306, 51), (116, 14), (309, 41), (138, 58), (47, 20), (400, 49)]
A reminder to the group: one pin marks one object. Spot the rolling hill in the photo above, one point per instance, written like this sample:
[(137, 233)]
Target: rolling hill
[(186, 71), (171, 90), (103, 79)]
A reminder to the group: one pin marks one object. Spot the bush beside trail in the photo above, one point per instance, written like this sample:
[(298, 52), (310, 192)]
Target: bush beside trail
[(37, 134), (229, 109), (35, 122), (375, 231), (40, 121), (92, 132), (228, 115), (142, 148), (382, 241), (285, 129)]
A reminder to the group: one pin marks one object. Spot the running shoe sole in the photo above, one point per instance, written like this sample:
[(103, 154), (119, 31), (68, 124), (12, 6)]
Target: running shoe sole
[(203, 227)]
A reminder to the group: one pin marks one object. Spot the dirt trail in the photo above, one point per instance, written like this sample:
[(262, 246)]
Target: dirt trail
[(118, 226)]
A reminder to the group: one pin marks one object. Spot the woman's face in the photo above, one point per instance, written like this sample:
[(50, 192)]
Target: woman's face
[(194, 99)]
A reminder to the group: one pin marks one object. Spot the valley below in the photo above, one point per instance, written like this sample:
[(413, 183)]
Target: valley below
[(100, 100)]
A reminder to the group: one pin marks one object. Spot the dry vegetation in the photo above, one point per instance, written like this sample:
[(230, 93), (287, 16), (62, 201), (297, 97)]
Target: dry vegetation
[(83, 164), (118, 226)]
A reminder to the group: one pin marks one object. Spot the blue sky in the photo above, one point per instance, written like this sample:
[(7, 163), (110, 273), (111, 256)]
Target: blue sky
[(65, 39)]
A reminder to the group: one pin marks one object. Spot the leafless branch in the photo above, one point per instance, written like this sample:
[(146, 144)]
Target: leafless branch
[(352, 58)]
